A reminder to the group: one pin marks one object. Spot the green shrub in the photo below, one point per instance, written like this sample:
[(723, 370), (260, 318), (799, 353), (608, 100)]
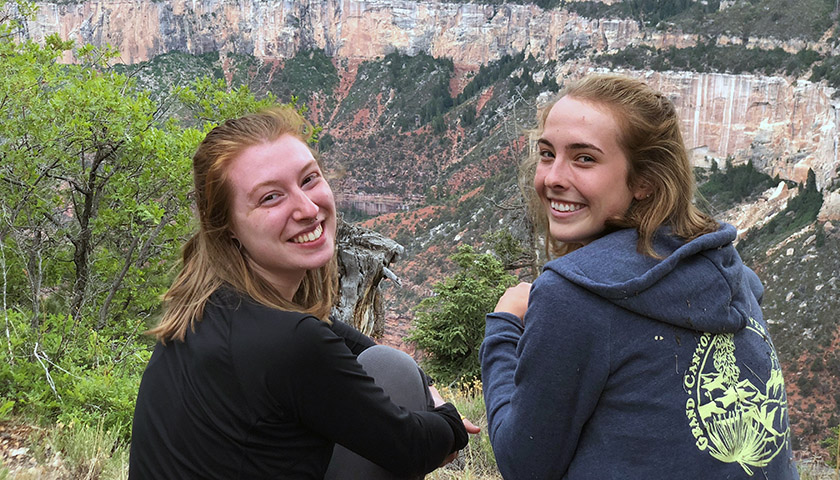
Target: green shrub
[(80, 379), (710, 58), (449, 326), (801, 210)]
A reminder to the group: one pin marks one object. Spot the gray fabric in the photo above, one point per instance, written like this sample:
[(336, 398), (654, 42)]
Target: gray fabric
[(399, 376)]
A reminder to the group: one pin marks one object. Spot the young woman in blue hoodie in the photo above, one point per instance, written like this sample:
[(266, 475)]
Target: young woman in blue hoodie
[(641, 350)]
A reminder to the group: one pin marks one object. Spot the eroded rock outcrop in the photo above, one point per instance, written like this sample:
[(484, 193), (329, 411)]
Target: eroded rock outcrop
[(784, 128), (468, 33)]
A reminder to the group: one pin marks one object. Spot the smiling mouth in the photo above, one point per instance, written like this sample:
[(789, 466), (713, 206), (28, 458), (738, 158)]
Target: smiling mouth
[(565, 207), (311, 236)]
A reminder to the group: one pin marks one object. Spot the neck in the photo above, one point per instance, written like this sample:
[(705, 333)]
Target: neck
[(287, 283)]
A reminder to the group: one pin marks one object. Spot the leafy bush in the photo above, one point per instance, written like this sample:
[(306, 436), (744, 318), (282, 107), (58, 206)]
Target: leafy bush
[(449, 326), (88, 379), (832, 443)]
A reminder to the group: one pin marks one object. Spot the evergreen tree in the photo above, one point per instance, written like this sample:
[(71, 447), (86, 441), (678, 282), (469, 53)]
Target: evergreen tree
[(449, 325)]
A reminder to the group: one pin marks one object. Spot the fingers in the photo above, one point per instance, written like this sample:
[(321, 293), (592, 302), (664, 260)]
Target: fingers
[(471, 428)]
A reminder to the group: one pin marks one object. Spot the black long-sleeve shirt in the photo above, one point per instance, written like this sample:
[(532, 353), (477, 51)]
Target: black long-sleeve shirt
[(255, 392)]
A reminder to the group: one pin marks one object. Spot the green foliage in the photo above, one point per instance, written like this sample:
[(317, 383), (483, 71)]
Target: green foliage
[(173, 69), (6, 409), (828, 70), (308, 73), (309, 76), (832, 444), (724, 189), (94, 182), (489, 74), (89, 379), (210, 101), (409, 91), (782, 19), (801, 210), (449, 326), (512, 252)]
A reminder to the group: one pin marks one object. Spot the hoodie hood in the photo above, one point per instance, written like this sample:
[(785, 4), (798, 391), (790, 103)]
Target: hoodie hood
[(701, 285)]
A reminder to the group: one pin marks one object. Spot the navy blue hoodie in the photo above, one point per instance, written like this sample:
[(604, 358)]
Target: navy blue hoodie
[(630, 367)]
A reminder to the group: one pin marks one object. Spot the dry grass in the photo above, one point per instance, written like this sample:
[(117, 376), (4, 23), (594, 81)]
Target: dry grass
[(476, 462)]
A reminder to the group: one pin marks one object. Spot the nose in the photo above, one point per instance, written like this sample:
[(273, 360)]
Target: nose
[(557, 174), (303, 206)]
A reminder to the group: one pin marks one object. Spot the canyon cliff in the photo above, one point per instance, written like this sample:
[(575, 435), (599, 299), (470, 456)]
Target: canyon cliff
[(785, 125)]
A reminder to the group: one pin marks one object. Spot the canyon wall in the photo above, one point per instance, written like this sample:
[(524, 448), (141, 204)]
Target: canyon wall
[(468, 33), (785, 126)]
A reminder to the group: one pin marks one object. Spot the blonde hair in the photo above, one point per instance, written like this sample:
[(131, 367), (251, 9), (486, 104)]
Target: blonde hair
[(657, 157), (211, 257)]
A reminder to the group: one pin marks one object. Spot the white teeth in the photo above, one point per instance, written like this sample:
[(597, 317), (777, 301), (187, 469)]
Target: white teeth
[(309, 237), (565, 207)]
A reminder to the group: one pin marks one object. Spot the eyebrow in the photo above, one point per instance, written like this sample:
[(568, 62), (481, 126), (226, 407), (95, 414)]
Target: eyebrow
[(573, 146)]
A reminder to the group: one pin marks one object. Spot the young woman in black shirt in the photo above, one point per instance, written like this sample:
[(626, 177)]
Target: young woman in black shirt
[(250, 378)]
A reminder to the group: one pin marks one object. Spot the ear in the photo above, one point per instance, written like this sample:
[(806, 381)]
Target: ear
[(643, 191)]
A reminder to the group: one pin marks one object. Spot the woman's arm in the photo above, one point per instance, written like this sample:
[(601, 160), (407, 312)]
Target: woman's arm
[(355, 340), (336, 398), (543, 380)]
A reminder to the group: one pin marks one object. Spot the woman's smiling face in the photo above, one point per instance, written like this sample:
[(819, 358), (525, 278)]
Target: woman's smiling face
[(283, 212), (581, 175)]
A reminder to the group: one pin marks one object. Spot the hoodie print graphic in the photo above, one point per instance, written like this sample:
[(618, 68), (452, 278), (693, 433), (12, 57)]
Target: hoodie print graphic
[(735, 415)]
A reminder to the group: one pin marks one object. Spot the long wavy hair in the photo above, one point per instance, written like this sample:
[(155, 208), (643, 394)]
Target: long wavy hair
[(211, 258), (657, 157)]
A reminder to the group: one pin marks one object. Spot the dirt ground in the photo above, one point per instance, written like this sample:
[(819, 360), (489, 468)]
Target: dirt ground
[(18, 460)]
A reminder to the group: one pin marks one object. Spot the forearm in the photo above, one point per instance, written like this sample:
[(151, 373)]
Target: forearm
[(355, 340)]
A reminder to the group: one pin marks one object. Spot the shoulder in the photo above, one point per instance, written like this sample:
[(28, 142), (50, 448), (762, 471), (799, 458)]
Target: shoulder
[(555, 298), (263, 333), (604, 265), (244, 312)]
